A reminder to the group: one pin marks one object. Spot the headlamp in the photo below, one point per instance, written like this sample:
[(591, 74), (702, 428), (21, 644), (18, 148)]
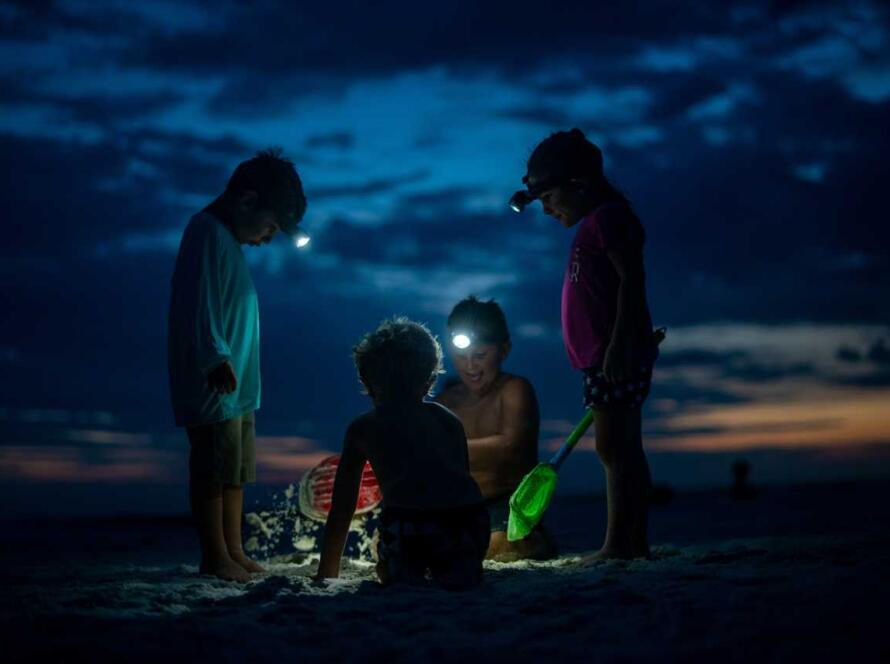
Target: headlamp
[(462, 339), (301, 238), (520, 200)]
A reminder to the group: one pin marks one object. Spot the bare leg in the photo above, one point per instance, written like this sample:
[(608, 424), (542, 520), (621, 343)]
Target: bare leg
[(382, 572), (628, 484), (207, 512), (232, 502)]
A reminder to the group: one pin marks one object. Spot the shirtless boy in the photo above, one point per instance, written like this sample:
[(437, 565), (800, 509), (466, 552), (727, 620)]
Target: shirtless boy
[(433, 522), (499, 412)]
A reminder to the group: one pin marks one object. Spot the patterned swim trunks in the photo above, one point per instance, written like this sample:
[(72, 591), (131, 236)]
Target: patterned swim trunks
[(600, 394), (446, 546)]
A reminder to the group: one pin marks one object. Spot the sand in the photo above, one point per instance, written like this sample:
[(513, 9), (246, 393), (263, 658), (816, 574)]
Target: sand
[(795, 597)]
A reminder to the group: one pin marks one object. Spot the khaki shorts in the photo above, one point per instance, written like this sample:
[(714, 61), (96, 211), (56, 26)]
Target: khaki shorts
[(223, 452)]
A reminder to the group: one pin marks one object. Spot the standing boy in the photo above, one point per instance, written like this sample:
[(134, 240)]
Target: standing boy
[(213, 348)]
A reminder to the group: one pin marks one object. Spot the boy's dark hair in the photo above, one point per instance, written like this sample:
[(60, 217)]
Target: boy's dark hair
[(565, 155), (276, 183), (485, 320), (399, 358)]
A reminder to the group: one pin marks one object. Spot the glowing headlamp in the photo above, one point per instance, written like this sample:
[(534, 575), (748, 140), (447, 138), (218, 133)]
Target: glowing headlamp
[(301, 238), (462, 339), (520, 200)]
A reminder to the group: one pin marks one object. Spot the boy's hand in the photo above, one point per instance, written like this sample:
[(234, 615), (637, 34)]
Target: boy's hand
[(222, 378)]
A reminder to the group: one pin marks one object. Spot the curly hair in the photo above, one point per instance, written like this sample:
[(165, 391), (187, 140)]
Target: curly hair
[(398, 359)]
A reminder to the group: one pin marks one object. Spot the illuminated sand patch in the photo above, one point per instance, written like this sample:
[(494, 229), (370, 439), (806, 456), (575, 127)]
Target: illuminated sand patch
[(284, 533)]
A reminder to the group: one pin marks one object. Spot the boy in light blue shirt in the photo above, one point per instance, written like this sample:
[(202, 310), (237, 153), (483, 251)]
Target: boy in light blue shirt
[(213, 348)]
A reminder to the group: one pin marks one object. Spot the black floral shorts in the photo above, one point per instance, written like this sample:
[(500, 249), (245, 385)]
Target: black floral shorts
[(447, 546), (600, 394)]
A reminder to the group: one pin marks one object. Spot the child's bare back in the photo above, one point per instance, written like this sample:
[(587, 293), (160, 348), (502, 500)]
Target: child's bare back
[(433, 521), (419, 454)]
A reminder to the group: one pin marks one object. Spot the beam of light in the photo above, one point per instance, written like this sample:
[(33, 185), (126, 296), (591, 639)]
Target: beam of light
[(461, 341), (302, 239)]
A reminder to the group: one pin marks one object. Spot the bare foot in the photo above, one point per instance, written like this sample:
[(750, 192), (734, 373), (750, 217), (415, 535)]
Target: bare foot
[(225, 569), (605, 554), (537, 546), (250, 566)]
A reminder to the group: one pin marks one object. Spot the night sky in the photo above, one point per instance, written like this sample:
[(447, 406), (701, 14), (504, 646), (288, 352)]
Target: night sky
[(752, 142)]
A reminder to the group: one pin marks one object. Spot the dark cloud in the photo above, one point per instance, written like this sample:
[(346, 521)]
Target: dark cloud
[(57, 206), (547, 116), (733, 233), (874, 379), (847, 354), (439, 202), (698, 357), (687, 394), (373, 186), (879, 353), (363, 40), (341, 140), (757, 372), (245, 94), (102, 110), (734, 364)]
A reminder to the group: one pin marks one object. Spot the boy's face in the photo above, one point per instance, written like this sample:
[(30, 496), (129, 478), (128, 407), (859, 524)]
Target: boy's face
[(479, 365), (259, 228), (255, 226)]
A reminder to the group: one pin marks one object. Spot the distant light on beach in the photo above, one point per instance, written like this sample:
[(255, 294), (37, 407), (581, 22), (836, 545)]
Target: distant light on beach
[(302, 239), (461, 341)]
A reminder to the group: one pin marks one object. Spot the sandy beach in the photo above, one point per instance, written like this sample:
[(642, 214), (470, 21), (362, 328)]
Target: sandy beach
[(781, 578)]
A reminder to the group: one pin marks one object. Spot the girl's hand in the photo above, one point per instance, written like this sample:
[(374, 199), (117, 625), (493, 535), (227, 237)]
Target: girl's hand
[(619, 362)]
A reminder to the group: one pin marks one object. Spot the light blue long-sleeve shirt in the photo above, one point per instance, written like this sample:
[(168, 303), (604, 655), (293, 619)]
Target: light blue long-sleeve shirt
[(214, 317)]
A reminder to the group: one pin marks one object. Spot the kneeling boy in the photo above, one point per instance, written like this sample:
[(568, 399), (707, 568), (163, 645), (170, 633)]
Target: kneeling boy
[(434, 522), (499, 412)]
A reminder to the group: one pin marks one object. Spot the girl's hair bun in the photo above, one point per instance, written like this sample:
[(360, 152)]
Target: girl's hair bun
[(566, 154)]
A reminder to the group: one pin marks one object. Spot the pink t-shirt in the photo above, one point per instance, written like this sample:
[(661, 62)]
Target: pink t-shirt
[(590, 286)]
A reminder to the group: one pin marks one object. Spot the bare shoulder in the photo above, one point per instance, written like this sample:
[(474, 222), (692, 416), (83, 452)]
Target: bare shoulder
[(451, 394), (517, 390), (361, 429), (444, 413)]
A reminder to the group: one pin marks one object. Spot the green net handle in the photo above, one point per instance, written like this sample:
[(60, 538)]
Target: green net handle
[(579, 431)]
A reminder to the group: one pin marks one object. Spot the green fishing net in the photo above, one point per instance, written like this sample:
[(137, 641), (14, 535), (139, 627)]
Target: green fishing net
[(530, 500)]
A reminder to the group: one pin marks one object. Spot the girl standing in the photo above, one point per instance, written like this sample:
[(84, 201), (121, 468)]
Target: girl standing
[(606, 325)]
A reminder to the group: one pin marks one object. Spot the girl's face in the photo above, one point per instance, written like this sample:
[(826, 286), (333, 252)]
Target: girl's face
[(566, 203), (479, 365)]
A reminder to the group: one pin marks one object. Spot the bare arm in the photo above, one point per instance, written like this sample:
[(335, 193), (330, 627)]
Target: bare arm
[(517, 442), (619, 361), (345, 495)]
